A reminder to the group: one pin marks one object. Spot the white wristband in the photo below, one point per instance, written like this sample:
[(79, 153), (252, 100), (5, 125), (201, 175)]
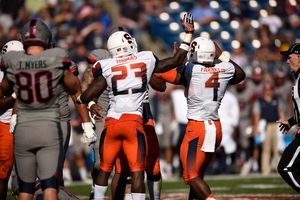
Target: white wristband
[(13, 95), (188, 38), (184, 47), (223, 58), (87, 126), (90, 104)]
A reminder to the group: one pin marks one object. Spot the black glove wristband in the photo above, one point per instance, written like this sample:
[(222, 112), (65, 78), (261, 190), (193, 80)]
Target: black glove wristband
[(292, 121)]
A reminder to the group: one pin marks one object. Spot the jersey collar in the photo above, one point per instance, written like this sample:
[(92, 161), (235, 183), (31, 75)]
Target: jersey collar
[(297, 73)]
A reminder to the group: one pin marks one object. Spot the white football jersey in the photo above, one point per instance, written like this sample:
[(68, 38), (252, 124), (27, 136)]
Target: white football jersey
[(127, 80), (205, 88)]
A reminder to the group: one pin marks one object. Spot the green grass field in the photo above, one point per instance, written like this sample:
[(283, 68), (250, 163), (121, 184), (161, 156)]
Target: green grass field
[(220, 185)]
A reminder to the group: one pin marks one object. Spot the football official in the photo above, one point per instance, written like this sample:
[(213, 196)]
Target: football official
[(289, 164)]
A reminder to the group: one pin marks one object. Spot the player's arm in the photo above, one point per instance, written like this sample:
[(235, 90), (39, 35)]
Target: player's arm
[(175, 61), (82, 109), (239, 74), (6, 102), (95, 90), (89, 136), (6, 87), (157, 84), (171, 76), (87, 77), (70, 82)]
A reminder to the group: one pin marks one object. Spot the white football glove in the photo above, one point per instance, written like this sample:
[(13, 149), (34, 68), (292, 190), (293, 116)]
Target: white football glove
[(13, 122), (89, 136)]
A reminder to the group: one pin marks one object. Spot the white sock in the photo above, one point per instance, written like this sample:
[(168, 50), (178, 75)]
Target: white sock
[(168, 168), (138, 196), (154, 188), (100, 192), (83, 173), (128, 197), (255, 166), (67, 174), (92, 189)]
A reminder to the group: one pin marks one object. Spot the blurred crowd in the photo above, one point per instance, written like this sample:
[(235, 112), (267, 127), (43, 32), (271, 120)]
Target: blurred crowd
[(80, 26)]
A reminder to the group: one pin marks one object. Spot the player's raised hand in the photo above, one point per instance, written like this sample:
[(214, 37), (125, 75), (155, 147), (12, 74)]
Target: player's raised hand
[(188, 23)]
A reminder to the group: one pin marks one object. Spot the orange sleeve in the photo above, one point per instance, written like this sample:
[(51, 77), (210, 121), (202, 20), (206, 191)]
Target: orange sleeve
[(168, 76)]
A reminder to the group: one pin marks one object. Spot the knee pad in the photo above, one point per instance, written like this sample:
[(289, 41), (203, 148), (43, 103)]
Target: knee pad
[(25, 187), (51, 182)]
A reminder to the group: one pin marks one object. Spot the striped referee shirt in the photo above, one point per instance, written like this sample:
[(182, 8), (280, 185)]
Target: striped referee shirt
[(296, 96)]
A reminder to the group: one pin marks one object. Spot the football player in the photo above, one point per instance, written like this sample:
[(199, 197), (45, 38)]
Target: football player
[(89, 135), (126, 76), (122, 173), (99, 111), (101, 106), (6, 142), (37, 77), (205, 84)]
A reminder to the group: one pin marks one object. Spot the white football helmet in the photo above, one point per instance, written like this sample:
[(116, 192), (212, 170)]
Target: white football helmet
[(13, 45), (202, 50), (121, 44)]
